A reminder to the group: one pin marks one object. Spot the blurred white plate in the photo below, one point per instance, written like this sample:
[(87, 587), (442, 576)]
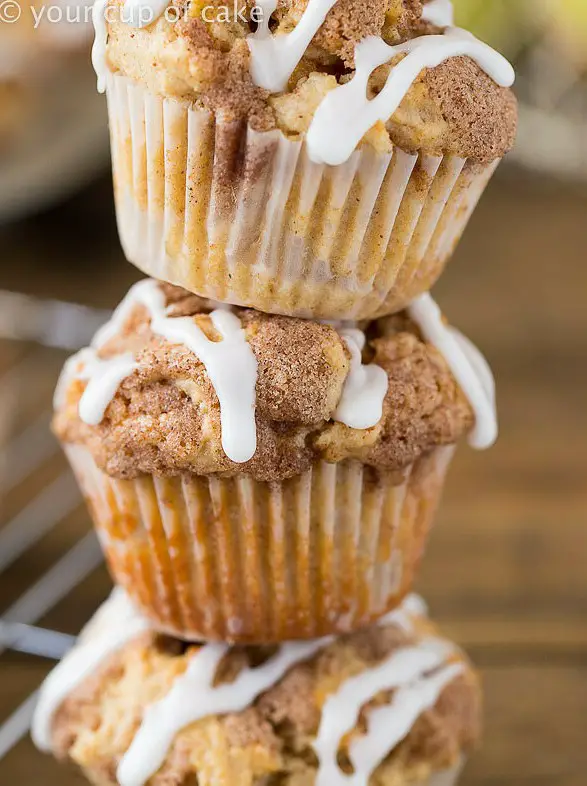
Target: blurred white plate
[(62, 146)]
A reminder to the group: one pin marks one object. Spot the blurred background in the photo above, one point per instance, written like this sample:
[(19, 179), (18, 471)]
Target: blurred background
[(505, 572)]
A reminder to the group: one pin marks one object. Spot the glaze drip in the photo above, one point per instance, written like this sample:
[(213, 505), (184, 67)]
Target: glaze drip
[(408, 672), (467, 364), (230, 364), (348, 109), (439, 13), (163, 720), (104, 378), (365, 388), (113, 625), (275, 57), (100, 42), (416, 673)]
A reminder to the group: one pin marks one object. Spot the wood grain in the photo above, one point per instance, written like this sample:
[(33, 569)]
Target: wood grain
[(505, 569)]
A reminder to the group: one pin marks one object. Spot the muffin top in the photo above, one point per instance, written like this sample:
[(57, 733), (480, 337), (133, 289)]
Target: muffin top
[(393, 703), (314, 66), (177, 384)]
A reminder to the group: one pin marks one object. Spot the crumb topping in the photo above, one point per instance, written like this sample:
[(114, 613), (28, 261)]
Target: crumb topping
[(204, 57), (165, 416), (273, 737)]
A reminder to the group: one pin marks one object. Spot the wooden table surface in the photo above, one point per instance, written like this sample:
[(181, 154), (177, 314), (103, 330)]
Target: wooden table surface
[(505, 572)]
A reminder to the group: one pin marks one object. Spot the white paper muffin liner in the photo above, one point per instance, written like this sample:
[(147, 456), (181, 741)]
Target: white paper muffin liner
[(238, 560), (245, 217)]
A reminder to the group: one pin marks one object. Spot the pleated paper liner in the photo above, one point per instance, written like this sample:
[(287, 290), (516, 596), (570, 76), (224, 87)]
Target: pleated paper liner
[(245, 217), (238, 560)]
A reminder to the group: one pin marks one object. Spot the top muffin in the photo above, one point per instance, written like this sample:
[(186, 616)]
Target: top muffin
[(219, 56), (312, 158)]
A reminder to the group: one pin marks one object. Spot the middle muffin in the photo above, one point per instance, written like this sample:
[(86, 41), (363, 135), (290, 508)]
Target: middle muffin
[(255, 478)]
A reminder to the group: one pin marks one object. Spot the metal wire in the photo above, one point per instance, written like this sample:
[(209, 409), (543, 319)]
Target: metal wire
[(51, 323), (55, 585), (64, 326), (31, 640), (17, 725), (19, 461), (52, 505)]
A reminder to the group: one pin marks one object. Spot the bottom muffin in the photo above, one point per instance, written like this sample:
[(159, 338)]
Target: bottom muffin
[(393, 704)]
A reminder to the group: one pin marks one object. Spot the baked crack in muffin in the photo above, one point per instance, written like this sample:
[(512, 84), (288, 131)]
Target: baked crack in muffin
[(257, 478), (390, 705), (317, 159)]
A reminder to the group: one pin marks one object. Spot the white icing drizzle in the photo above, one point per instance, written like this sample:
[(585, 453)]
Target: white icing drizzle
[(113, 625), (104, 378), (389, 725), (404, 671), (136, 13), (346, 113), (416, 673), (164, 719), (100, 41), (73, 369), (365, 388), (468, 365), (232, 368), (439, 13), (408, 671), (275, 57), (230, 364), (146, 293)]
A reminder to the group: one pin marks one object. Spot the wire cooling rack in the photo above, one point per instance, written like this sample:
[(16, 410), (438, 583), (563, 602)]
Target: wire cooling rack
[(47, 548)]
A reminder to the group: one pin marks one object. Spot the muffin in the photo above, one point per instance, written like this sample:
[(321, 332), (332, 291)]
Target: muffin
[(393, 705), (250, 166), (255, 478)]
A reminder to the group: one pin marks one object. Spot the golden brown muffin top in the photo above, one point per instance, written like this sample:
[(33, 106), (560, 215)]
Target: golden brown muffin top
[(165, 417), (273, 737), (204, 57)]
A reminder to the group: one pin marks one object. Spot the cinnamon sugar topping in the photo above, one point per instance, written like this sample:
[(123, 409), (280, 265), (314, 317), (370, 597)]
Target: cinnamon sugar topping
[(395, 700), (166, 417), (251, 64)]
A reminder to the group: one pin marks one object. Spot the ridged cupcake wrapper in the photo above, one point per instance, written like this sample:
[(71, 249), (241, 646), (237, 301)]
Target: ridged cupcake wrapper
[(238, 560), (245, 217)]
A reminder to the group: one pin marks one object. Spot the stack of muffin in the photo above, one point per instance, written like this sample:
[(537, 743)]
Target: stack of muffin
[(263, 429)]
